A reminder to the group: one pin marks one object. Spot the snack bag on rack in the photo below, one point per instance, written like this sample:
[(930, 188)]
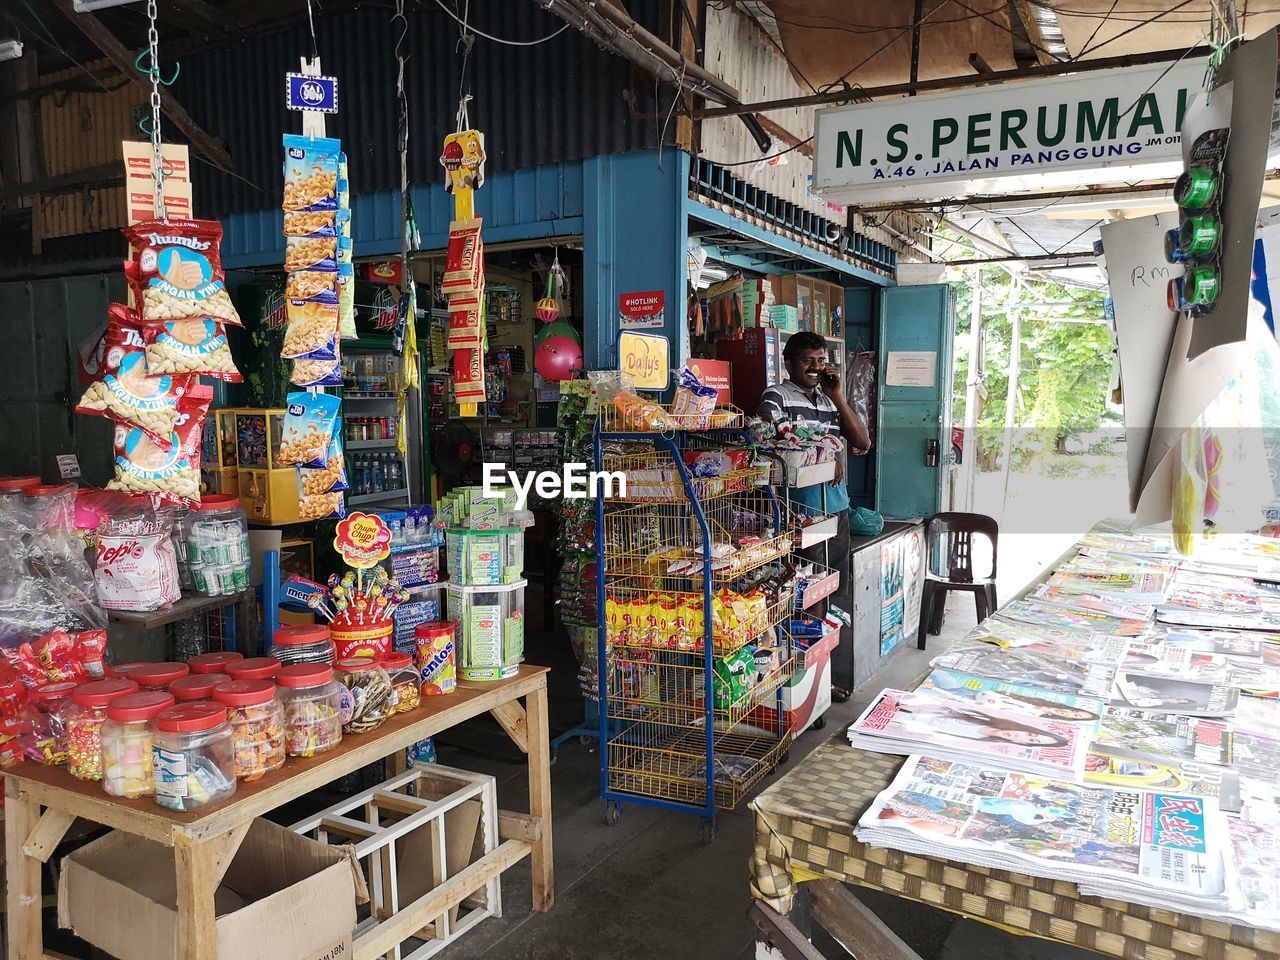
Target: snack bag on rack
[(310, 173), (172, 473), (310, 422), (311, 285), (332, 478), (347, 301), (311, 223), (178, 271), (641, 415), (321, 506), (312, 333), (124, 391), (316, 373), (190, 346), (319, 254), (694, 402)]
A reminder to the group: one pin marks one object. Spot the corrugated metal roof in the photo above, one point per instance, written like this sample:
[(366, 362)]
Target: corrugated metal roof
[(557, 101)]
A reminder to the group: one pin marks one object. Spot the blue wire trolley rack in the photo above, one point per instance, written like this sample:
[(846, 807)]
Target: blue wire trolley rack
[(691, 589)]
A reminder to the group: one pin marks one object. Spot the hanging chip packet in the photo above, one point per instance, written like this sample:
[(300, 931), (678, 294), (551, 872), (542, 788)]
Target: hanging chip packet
[(177, 273), (310, 424), (170, 473), (320, 489), (124, 391), (196, 345)]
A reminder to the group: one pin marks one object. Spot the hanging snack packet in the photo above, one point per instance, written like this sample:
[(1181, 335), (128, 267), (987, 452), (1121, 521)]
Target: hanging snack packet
[(123, 391), (190, 346), (317, 285), (310, 173), (310, 421), (311, 253), (347, 301), (312, 333), (316, 373), (321, 506), (170, 473), (693, 403), (311, 223), (178, 271), (313, 482)]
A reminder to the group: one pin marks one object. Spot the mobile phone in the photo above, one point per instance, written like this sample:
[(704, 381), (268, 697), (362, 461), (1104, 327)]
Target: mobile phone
[(829, 379)]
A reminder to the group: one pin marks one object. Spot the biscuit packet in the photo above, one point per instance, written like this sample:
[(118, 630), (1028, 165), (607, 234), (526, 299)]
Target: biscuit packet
[(320, 286), (316, 373), (190, 346), (177, 271), (311, 223), (311, 253), (124, 391), (332, 478), (321, 506), (310, 173), (310, 422), (312, 331), (170, 473)]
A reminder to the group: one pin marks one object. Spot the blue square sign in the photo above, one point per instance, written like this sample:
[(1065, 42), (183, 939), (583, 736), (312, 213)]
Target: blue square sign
[(319, 94)]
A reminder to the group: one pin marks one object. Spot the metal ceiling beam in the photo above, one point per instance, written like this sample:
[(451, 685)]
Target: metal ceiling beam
[(115, 51), (1069, 259), (950, 83)]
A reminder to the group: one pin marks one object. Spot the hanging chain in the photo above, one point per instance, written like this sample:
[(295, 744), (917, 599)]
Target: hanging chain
[(157, 158)]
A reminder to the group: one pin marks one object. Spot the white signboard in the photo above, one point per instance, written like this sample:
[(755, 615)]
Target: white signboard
[(910, 368), (1107, 125)]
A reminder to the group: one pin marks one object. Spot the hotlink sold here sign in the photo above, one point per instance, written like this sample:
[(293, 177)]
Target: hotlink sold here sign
[(1108, 125)]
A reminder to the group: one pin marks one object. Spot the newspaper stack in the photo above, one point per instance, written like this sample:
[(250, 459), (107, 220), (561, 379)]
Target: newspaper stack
[(1162, 849), (905, 723)]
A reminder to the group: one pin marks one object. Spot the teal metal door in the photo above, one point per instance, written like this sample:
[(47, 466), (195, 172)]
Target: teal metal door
[(913, 416)]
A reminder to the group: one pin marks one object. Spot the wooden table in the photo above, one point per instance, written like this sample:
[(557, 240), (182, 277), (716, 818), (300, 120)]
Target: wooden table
[(42, 802)]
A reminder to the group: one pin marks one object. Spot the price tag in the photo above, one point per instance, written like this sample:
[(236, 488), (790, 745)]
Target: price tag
[(68, 466)]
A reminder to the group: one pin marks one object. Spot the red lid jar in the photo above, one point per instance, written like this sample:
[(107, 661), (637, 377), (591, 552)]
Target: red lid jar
[(135, 707), (191, 718), (99, 693), (245, 693), (214, 662), (304, 675), (254, 668), (158, 676), (198, 686)]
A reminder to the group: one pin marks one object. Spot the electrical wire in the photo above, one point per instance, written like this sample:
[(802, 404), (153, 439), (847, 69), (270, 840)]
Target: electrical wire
[(1123, 33), (48, 35), (747, 163), (882, 48), (1098, 26), (462, 21)]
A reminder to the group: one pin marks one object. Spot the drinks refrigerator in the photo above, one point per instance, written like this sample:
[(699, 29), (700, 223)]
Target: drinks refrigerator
[(378, 475)]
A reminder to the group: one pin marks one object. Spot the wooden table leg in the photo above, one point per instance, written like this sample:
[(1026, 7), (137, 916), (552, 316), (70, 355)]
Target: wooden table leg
[(539, 740), (26, 935), (195, 863)]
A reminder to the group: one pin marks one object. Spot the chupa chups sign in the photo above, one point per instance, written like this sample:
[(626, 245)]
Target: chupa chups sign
[(1105, 125), (363, 540)]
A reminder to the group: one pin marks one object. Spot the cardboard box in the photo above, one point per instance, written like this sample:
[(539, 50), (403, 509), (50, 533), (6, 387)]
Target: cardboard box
[(284, 896)]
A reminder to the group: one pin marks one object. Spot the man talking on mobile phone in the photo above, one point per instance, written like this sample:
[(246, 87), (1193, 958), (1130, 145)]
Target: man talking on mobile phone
[(813, 395)]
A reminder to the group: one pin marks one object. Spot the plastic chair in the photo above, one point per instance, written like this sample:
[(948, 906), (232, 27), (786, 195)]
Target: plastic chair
[(949, 547)]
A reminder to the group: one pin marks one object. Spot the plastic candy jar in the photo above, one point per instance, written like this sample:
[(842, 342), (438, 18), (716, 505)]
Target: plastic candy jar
[(255, 668), (52, 701), (198, 686), (84, 719), (303, 644), (370, 689), (126, 742), (257, 726), (402, 672), (158, 676), (214, 662), (217, 538), (312, 708), (192, 760)]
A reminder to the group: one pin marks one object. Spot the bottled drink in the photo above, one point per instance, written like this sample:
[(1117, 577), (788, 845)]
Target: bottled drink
[(394, 479), (378, 475)]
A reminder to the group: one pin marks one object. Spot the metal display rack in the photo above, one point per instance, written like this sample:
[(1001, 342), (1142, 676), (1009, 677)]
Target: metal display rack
[(669, 738)]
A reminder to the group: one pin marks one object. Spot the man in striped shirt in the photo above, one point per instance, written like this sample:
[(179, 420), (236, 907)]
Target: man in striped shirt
[(814, 395)]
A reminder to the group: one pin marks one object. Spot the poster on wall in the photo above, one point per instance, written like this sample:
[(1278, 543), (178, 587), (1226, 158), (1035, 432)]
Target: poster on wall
[(913, 580), (642, 311), (892, 595)]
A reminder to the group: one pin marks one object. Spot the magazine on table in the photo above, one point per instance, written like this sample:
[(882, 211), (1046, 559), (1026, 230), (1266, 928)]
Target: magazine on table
[(1111, 606), (1258, 713), (1004, 695), (1048, 672), (1113, 766), (1098, 560), (1256, 755), (1243, 647), (1137, 545), (1078, 647), (903, 723), (1166, 736), (1051, 615), (1137, 584), (1149, 655), (1120, 842), (1143, 691), (1015, 633)]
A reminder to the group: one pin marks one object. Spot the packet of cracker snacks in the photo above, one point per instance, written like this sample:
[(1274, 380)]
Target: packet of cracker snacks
[(124, 391), (314, 482), (317, 285), (312, 331), (316, 373), (310, 173), (190, 346), (177, 272), (170, 474), (310, 422)]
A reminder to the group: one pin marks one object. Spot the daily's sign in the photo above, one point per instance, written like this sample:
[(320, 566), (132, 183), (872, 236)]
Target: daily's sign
[(1089, 128)]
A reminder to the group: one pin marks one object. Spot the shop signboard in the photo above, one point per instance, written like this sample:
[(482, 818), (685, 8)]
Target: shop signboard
[(715, 374), (304, 92), (644, 358), (642, 311), (1105, 125)]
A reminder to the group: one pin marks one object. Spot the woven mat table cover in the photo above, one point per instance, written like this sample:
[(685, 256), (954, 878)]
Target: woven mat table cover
[(804, 827)]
